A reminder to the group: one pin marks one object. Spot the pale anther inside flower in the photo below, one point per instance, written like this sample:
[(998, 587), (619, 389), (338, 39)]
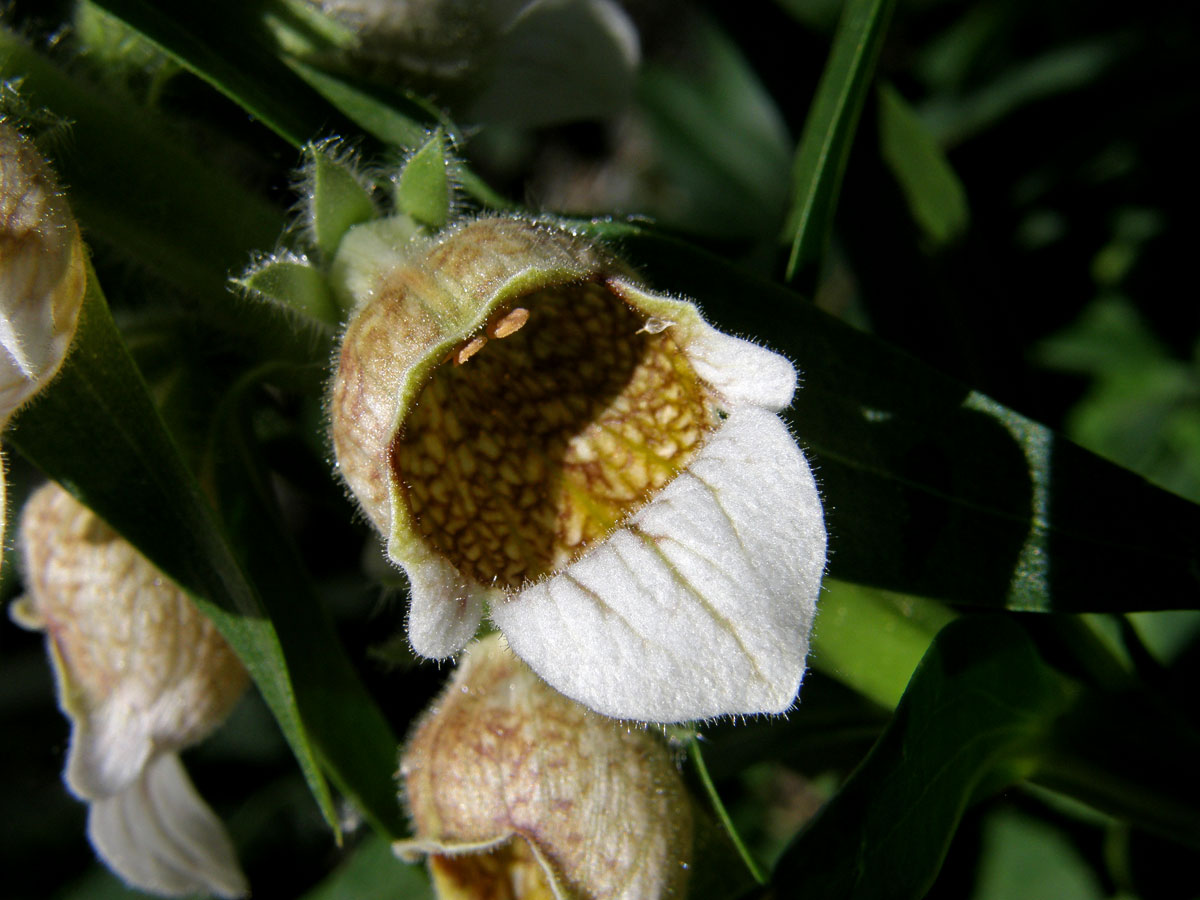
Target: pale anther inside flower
[(513, 465), (469, 349), (509, 323)]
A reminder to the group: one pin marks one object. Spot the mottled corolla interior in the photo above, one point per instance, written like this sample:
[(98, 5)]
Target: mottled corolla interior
[(523, 450)]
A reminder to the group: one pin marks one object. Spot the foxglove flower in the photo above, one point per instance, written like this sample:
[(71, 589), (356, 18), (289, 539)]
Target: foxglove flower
[(516, 791), (531, 428), (42, 277), (142, 674)]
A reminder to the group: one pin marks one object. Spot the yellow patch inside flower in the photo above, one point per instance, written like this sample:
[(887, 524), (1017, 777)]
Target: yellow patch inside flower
[(525, 448), (510, 872)]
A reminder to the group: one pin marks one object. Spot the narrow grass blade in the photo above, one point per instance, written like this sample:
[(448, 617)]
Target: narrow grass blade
[(829, 130)]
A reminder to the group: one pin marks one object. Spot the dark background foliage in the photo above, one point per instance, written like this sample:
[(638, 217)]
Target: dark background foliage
[(1028, 235)]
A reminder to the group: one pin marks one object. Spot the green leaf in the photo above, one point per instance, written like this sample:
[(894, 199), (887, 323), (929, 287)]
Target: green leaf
[(364, 106), (953, 118), (423, 189), (95, 431), (378, 116), (1024, 858), (226, 44), (829, 131), (970, 723), (935, 196), (294, 285), (337, 199), (138, 191), (935, 490), (373, 873), (871, 640), (328, 693), (720, 141)]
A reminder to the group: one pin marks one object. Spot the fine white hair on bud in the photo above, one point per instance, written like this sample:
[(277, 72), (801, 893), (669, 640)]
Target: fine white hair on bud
[(42, 278), (533, 430), (142, 674), (516, 791)]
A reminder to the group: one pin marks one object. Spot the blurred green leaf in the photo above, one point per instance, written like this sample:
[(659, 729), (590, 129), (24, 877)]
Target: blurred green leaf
[(373, 873), (936, 490), (373, 114), (225, 43), (721, 142), (829, 131), (970, 722), (137, 190), (98, 884), (331, 699), (871, 640), (946, 61), (1142, 408), (95, 431), (378, 115), (954, 118), (819, 15), (1024, 858), (935, 196)]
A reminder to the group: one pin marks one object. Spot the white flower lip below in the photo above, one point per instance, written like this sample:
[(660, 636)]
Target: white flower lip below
[(160, 835), (701, 603), (141, 674)]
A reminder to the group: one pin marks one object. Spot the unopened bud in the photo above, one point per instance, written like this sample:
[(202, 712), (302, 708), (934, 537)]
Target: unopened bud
[(142, 674), (512, 786), (42, 279), (42, 272)]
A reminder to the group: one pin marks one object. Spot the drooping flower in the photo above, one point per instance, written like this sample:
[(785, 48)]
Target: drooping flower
[(42, 278), (142, 674), (513, 787), (529, 426)]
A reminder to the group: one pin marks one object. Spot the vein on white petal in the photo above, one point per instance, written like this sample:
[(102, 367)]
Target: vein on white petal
[(711, 584), (742, 371), (445, 608), (731, 627), (160, 836), (605, 606)]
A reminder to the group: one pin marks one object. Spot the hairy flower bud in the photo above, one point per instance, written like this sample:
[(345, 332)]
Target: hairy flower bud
[(530, 427), (512, 786), (42, 277), (142, 674)]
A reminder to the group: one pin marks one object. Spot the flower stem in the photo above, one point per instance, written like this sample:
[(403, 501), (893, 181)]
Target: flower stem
[(722, 814)]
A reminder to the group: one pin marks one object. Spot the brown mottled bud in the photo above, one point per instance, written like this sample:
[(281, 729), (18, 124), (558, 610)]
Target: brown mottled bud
[(142, 674), (42, 278), (513, 787), (530, 426), (42, 272)]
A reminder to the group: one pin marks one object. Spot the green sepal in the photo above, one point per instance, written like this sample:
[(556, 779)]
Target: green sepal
[(295, 285), (337, 199), (423, 188)]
